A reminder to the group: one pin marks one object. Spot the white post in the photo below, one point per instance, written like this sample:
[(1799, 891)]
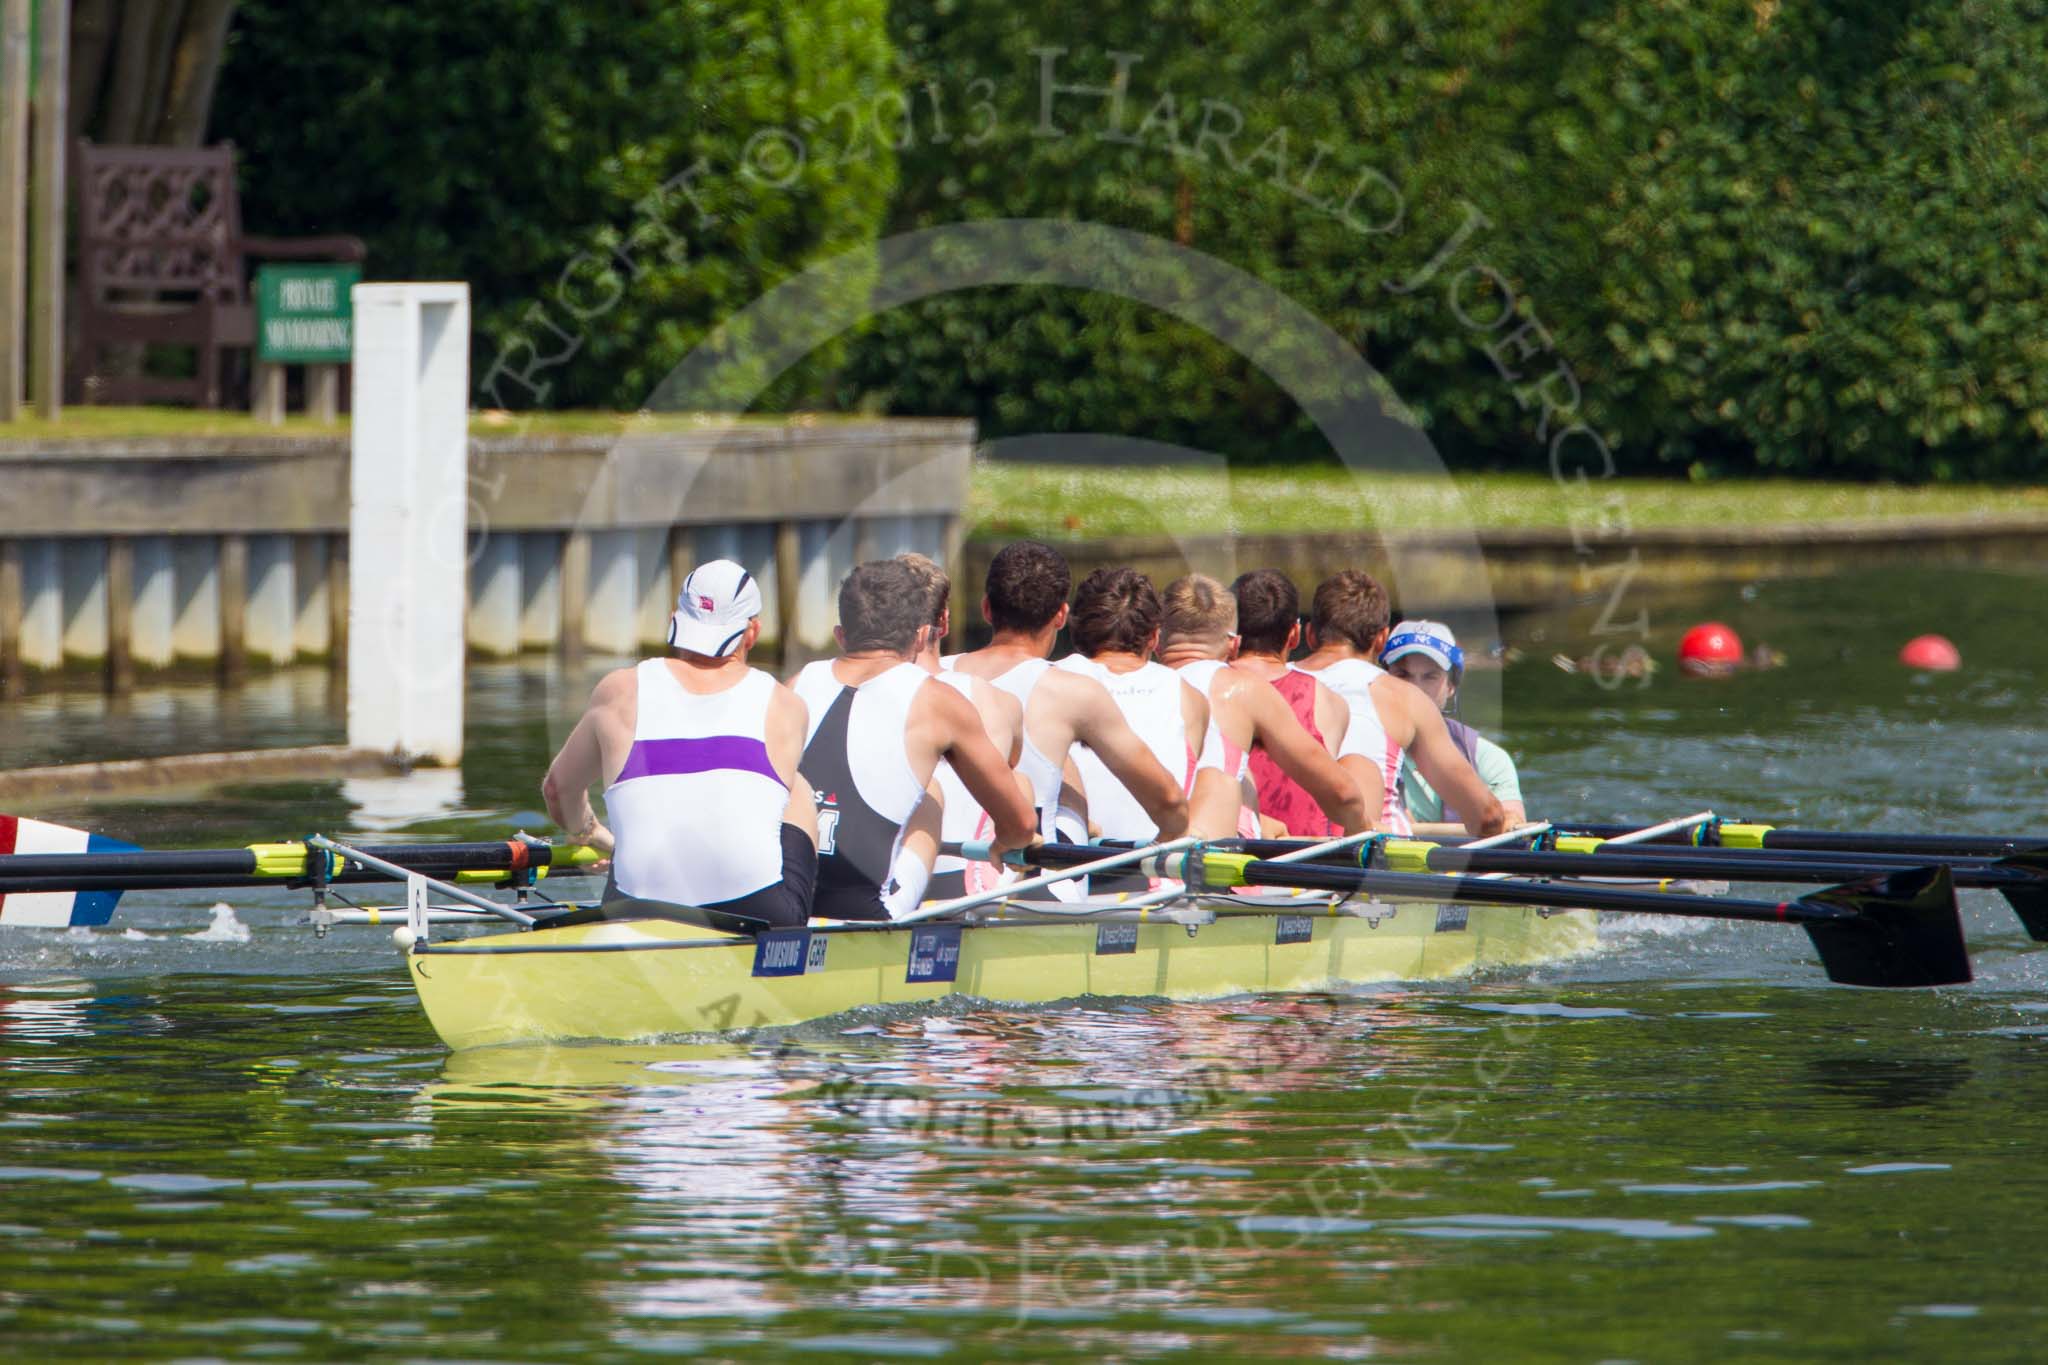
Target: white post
[(408, 509)]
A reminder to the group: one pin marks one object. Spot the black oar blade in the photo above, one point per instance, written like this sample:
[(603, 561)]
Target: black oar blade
[(2030, 903), (1905, 931)]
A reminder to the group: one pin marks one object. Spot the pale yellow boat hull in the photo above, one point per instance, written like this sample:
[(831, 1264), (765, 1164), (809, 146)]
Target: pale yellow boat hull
[(632, 980)]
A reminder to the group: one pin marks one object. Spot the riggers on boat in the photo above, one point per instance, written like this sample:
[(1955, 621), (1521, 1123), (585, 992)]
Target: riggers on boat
[(634, 979), (1227, 918)]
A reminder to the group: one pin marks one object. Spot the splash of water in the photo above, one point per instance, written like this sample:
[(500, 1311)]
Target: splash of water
[(225, 927)]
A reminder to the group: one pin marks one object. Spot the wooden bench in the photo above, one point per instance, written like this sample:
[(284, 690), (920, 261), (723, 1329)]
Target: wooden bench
[(163, 261)]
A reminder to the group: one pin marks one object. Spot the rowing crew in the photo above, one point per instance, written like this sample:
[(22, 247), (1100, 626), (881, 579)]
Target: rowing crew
[(833, 795)]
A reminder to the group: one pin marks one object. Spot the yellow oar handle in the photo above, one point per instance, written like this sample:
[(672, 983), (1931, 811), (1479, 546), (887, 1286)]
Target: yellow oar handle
[(289, 861), (285, 860)]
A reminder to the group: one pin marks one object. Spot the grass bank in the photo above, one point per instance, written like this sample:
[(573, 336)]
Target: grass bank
[(1075, 502)]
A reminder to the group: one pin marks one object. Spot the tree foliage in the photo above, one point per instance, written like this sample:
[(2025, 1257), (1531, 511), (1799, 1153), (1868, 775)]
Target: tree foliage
[(1706, 238), (1797, 238), (587, 168)]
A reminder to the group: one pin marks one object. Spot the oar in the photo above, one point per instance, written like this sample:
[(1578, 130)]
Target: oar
[(53, 876), (1746, 835), (261, 864), (1095, 860), (1900, 929), (2022, 879)]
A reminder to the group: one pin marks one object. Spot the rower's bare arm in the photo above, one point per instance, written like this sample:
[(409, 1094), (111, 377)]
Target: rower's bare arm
[(1372, 788), (1212, 805), (1074, 796), (788, 721), (1102, 727), (1213, 797), (581, 764), (566, 788), (1444, 764), (960, 739), (1281, 734)]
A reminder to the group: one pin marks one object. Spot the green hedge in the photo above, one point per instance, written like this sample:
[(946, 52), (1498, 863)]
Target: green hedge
[(1763, 237), (1784, 238), (523, 146)]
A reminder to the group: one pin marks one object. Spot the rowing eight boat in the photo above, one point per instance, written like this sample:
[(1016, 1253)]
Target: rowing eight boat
[(1234, 917), (636, 979)]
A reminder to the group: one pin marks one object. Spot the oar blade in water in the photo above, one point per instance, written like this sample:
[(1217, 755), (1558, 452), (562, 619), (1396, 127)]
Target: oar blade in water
[(2030, 903), (1905, 931)]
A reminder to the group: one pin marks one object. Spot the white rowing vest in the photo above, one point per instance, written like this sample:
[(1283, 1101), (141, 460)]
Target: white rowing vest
[(1042, 772), (697, 808), (962, 820), (1201, 675), (1150, 699), (1352, 679), (859, 769), (1046, 776)]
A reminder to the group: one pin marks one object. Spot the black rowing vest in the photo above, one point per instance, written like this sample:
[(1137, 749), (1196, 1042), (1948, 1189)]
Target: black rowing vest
[(861, 779)]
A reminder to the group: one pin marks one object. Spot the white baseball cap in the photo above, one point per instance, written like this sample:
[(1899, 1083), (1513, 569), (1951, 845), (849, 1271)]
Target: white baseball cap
[(1432, 639), (713, 608)]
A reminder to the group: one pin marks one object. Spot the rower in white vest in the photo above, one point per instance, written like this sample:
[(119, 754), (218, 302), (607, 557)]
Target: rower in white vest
[(1025, 604), (879, 727), (962, 819), (698, 753), (1115, 628), (1198, 638), (1392, 721)]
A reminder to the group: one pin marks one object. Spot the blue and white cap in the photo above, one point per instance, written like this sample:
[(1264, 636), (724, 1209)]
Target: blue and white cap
[(713, 608), (1432, 639)]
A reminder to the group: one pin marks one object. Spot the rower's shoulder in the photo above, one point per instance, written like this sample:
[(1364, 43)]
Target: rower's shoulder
[(620, 684)]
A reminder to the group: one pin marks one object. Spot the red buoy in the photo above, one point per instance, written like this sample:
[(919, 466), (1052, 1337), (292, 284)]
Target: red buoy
[(1710, 649), (1932, 653)]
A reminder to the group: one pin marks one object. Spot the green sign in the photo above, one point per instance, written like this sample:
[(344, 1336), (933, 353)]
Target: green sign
[(303, 314)]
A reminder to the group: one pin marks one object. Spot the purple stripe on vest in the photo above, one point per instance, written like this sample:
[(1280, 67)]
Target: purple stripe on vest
[(710, 754)]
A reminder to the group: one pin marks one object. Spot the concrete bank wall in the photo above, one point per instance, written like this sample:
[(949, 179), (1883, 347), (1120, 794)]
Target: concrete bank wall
[(141, 554)]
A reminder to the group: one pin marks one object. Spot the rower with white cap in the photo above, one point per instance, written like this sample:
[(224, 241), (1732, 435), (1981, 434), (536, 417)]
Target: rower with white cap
[(1426, 653), (698, 753)]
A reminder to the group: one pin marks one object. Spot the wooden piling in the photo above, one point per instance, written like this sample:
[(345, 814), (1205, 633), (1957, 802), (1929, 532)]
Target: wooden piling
[(120, 614), (337, 604), (266, 393), (789, 568), (323, 393), (575, 590), (234, 605), (12, 682)]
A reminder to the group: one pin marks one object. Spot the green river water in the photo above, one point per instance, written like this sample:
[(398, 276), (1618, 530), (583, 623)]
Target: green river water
[(222, 1138)]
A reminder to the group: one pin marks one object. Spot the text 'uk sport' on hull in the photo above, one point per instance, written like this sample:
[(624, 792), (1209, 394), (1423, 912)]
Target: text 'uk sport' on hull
[(635, 979)]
